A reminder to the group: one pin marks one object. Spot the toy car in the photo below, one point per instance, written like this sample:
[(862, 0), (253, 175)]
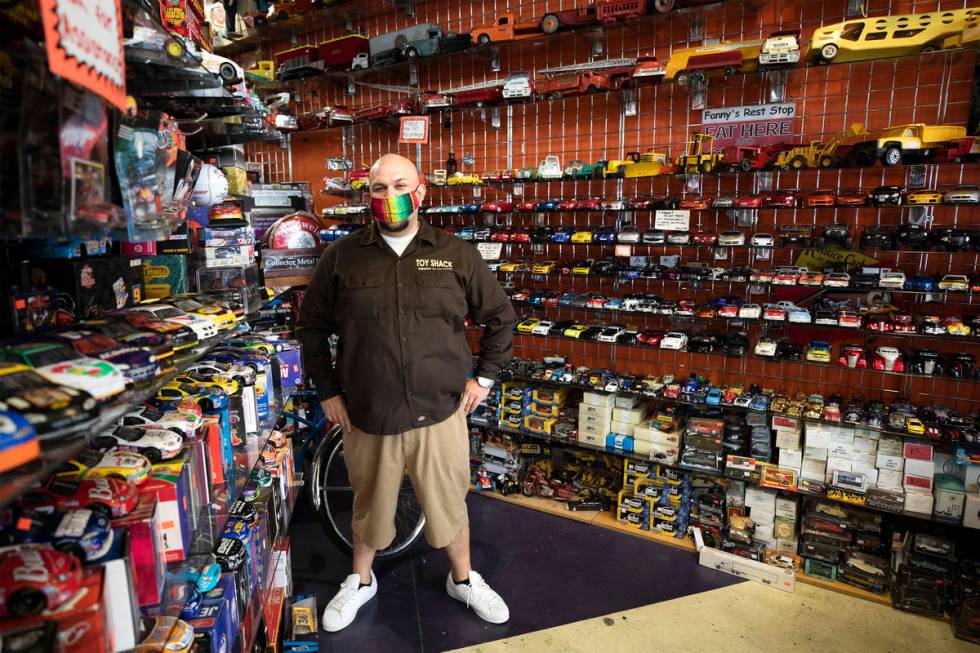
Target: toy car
[(750, 312), (202, 327), (131, 467), (45, 405), (788, 351), (837, 280), (967, 194), (527, 325), (748, 202), (84, 534), (954, 326), (924, 197), (109, 496), (821, 198), (674, 340), (886, 196), (920, 282), (610, 334), (154, 443), (955, 282), (575, 331), (818, 351), (892, 280), (582, 236), (222, 318), (914, 426), (62, 366), (888, 359), (762, 240), (542, 328), (36, 579), (851, 198), (137, 363), (781, 198), (167, 635), (731, 239)]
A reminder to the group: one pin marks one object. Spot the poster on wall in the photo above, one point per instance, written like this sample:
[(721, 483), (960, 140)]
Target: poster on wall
[(755, 125), (84, 44), (414, 129)]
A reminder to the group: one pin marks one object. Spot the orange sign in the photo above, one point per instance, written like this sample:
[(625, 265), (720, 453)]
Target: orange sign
[(414, 129), (84, 42)]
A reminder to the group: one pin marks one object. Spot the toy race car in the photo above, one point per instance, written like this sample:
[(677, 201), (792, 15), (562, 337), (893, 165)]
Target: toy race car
[(85, 534), (184, 423), (154, 443), (36, 579), (132, 467)]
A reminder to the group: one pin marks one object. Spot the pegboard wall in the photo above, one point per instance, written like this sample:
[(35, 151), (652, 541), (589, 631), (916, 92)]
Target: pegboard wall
[(932, 88)]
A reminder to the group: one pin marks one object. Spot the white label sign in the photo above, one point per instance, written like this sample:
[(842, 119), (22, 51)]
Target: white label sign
[(679, 220), (490, 251)]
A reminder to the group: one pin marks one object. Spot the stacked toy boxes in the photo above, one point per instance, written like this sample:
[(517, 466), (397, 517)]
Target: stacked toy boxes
[(655, 498)]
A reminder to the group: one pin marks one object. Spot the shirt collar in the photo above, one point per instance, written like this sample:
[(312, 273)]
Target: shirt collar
[(425, 233)]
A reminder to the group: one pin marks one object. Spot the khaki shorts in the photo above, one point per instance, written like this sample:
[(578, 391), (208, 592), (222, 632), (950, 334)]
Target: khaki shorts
[(437, 458)]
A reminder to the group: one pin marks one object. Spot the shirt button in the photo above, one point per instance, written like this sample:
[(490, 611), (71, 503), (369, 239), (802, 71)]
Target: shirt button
[(421, 418), (404, 339), (401, 311), (401, 285)]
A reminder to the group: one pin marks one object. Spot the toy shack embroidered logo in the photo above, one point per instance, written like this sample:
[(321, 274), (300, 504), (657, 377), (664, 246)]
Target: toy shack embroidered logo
[(84, 40), (433, 264)]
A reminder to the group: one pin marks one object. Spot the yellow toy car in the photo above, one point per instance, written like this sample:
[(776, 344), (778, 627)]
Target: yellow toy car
[(230, 386), (513, 266), (585, 267), (126, 465), (924, 197), (544, 267), (460, 179), (584, 236), (527, 325), (222, 317), (168, 635), (575, 331), (914, 426), (957, 282)]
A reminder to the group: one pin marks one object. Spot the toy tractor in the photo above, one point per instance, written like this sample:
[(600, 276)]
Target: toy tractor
[(700, 157), (817, 154)]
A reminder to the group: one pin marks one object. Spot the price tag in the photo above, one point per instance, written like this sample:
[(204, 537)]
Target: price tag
[(669, 261), (413, 129), (639, 261), (477, 192), (674, 220), (623, 250), (518, 190), (490, 251)]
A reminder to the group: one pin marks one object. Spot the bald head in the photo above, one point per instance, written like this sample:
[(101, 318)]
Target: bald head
[(393, 175)]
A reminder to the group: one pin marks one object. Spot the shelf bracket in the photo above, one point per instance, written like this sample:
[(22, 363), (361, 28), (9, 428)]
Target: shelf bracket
[(413, 74), (856, 8), (351, 88), (597, 41), (697, 87), (629, 102), (695, 26), (916, 177), (410, 8), (692, 183), (920, 215), (745, 217), (495, 60), (777, 84), (763, 181), (495, 117)]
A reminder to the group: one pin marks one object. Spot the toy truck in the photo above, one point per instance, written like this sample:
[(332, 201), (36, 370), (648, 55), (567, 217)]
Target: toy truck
[(297, 62), (586, 82), (603, 11), (901, 142), (650, 164), (700, 155), (285, 9), (717, 59), (780, 49), (508, 28), (264, 71), (341, 53), (817, 154), (420, 40)]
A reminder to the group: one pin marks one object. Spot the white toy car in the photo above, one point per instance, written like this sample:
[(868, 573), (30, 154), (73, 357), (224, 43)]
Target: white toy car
[(749, 312), (731, 239), (517, 85), (763, 240), (610, 334), (837, 280), (628, 235), (892, 280), (674, 340), (543, 328), (154, 443), (614, 205), (765, 347), (61, 365), (202, 327), (550, 168), (799, 315), (182, 422)]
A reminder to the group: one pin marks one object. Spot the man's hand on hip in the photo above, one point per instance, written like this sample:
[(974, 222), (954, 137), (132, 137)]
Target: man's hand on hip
[(473, 394), (335, 408)]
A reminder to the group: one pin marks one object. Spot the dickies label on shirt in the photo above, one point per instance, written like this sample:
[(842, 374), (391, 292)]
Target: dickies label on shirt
[(433, 264)]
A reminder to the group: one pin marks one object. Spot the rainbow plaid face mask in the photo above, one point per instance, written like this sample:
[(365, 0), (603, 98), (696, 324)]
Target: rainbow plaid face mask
[(396, 209)]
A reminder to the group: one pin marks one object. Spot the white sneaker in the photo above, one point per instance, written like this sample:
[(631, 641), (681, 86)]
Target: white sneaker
[(486, 603), (343, 607)]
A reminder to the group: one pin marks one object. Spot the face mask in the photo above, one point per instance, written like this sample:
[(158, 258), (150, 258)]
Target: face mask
[(397, 209)]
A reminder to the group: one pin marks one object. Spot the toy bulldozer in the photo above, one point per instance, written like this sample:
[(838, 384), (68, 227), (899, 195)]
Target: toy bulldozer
[(817, 154), (699, 156)]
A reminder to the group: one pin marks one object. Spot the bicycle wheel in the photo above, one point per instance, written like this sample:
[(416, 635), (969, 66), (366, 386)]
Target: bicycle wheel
[(333, 499)]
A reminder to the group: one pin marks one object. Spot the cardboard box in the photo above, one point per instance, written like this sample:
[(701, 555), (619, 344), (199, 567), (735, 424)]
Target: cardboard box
[(917, 451), (146, 556), (622, 428), (212, 627), (920, 502), (891, 445), (170, 484), (918, 467), (790, 458), (593, 438), (630, 415), (950, 497), (783, 423), (788, 439), (971, 510), (598, 412), (777, 577), (599, 399), (889, 461), (619, 441), (651, 433), (664, 453), (627, 401), (890, 478), (913, 483)]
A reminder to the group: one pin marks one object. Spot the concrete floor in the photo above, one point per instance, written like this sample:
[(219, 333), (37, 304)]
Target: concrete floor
[(742, 618)]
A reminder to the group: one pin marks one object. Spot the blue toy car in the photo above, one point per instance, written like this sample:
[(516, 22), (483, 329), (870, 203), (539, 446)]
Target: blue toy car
[(563, 235), (604, 235), (921, 282), (192, 604), (759, 402), (713, 398), (613, 304), (471, 208), (568, 299), (546, 205), (85, 534), (466, 233), (208, 577)]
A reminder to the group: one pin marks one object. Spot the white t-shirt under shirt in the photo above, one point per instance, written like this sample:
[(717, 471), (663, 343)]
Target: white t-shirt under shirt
[(398, 243)]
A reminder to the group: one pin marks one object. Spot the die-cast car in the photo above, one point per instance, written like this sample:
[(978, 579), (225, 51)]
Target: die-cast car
[(674, 340), (955, 282), (920, 282), (837, 280), (818, 351), (748, 201), (954, 326), (750, 312), (888, 359), (185, 423), (62, 366), (156, 444), (222, 318), (83, 533), (731, 239), (892, 280), (967, 194), (765, 347), (167, 635), (610, 334), (773, 312), (848, 318), (34, 579), (202, 327), (109, 496), (138, 364), (762, 240), (45, 405), (542, 328), (582, 236), (853, 356), (924, 197), (131, 467)]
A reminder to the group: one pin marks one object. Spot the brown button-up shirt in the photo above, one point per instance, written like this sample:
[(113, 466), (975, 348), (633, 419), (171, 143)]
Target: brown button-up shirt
[(402, 353)]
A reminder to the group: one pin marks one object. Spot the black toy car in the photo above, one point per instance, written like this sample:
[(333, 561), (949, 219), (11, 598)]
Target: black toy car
[(877, 237), (837, 233), (735, 345), (230, 553), (911, 236), (865, 281), (704, 343), (738, 275), (886, 196), (541, 234), (953, 240), (788, 351)]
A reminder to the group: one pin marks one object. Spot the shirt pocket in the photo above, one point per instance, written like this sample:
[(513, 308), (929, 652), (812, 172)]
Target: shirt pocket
[(440, 293), (361, 296)]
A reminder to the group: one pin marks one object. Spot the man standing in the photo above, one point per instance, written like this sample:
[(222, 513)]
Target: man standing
[(397, 294)]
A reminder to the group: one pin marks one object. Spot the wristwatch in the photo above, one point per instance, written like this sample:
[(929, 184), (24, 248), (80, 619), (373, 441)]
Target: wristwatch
[(484, 382)]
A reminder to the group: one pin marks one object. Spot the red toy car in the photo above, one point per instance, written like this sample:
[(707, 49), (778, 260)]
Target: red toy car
[(590, 204), (902, 323), (781, 198), (650, 337), (705, 238), (853, 356), (848, 318), (111, 496), (748, 202), (34, 579), (526, 205), (568, 205), (520, 236), (641, 203), (497, 207), (880, 323), (501, 235)]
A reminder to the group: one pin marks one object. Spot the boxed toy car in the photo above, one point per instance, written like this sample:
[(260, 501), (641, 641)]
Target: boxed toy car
[(234, 256), (165, 275), (537, 424), (243, 279), (633, 415), (619, 442), (169, 482), (599, 399), (95, 285), (212, 627), (950, 498), (225, 236)]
